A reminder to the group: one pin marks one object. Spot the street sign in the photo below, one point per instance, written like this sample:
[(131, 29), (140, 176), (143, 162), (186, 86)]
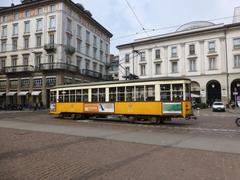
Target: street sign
[(235, 93)]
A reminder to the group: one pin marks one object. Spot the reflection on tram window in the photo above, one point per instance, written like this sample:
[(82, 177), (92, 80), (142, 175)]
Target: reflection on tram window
[(150, 93), (130, 93), (72, 96), (94, 95), (60, 99), (121, 93), (139, 93), (165, 92), (85, 95), (112, 94), (177, 92), (78, 95), (102, 95)]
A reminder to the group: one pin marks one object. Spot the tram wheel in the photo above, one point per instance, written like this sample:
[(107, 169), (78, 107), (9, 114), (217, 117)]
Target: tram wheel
[(238, 122)]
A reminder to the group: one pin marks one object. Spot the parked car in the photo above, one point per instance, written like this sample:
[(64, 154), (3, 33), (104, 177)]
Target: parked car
[(218, 106)]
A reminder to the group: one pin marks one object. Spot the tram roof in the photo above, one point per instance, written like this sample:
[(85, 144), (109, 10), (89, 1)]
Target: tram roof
[(122, 82)]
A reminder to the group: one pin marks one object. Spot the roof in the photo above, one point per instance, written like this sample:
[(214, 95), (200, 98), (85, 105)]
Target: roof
[(37, 2), (122, 82), (195, 25), (177, 34)]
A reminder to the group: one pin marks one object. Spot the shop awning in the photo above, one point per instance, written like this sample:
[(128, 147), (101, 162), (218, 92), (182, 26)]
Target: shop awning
[(2, 93), (23, 93), (36, 93), (11, 93)]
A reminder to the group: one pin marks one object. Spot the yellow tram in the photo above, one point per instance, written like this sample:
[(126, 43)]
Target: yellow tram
[(157, 99)]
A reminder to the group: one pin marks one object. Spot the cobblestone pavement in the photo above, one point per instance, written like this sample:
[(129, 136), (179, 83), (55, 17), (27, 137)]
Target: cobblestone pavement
[(35, 155)]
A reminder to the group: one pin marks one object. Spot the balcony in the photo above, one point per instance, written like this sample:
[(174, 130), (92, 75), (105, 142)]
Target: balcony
[(17, 69), (90, 73), (51, 47), (69, 49), (58, 66)]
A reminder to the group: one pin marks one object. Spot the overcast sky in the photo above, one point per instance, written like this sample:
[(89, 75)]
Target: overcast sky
[(116, 16)]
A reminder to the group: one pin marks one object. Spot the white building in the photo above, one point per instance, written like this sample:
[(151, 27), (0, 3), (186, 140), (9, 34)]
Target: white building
[(45, 43), (207, 53)]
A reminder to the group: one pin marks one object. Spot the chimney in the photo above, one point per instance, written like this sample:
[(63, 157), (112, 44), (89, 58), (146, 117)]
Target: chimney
[(236, 16)]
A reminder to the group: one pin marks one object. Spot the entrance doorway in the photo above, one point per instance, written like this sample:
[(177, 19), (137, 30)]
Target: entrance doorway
[(213, 92)]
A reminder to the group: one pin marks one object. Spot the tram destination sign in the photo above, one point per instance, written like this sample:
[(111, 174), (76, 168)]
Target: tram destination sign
[(172, 108)]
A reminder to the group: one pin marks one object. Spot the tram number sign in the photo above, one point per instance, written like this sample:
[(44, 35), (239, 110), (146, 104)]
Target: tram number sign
[(235, 93)]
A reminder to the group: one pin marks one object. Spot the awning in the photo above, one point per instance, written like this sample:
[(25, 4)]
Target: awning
[(23, 93), (36, 93), (11, 93), (195, 95), (2, 93)]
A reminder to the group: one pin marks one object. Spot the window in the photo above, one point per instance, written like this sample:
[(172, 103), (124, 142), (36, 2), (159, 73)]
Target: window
[(79, 60), (16, 16), (87, 64), (27, 13), (101, 44), (69, 40), (87, 37), (25, 61), (236, 43), (14, 61), (211, 46), (69, 60), (121, 94), (4, 19), (107, 48), (39, 24), (112, 94), (142, 56), (127, 70), (38, 40), (139, 93), (192, 65), (126, 58), (26, 26), (52, 8), (3, 46), (3, 84), (174, 67), (94, 66), (38, 60), (4, 31), (165, 92), (87, 50), (2, 63), (51, 38), (14, 44), (51, 81), (177, 92), (150, 93), (79, 31), (237, 61), (79, 44), (13, 84), (26, 42), (94, 52), (192, 49), (212, 63), (15, 29), (69, 25), (50, 58), (94, 41), (174, 52), (101, 56), (52, 22), (142, 70), (158, 68), (157, 54), (25, 83), (37, 83), (40, 11), (101, 69)]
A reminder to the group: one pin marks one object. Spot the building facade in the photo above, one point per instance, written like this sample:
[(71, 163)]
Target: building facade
[(46, 43), (207, 53), (114, 67)]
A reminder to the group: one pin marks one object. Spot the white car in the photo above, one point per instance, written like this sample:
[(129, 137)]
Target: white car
[(218, 106)]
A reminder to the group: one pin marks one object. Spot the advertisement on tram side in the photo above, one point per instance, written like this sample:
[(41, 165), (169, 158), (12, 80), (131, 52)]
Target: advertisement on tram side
[(172, 108), (99, 107)]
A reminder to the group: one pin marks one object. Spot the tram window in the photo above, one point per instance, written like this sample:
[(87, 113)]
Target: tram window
[(130, 93), (121, 93), (94, 95), (165, 92), (66, 96), (53, 96), (102, 95), (177, 92), (139, 93), (150, 93), (72, 96), (188, 90), (85, 95), (78, 95), (112, 94), (60, 99)]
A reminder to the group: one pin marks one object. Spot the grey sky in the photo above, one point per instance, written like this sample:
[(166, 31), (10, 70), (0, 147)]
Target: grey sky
[(118, 18)]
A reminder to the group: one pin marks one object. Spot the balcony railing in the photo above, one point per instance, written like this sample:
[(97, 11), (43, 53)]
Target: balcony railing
[(91, 73), (22, 68), (51, 47), (58, 66), (69, 49)]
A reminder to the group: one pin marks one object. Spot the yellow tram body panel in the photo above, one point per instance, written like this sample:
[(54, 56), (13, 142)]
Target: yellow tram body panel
[(138, 108)]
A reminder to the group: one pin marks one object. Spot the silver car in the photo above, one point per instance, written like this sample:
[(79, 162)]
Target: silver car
[(218, 106)]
